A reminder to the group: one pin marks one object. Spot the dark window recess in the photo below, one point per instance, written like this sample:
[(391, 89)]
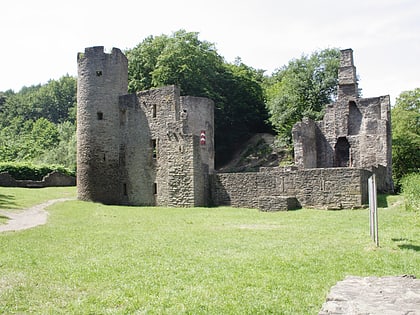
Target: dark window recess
[(154, 189), (100, 115), (98, 73), (342, 153), (154, 111), (154, 148), (125, 189), (355, 119)]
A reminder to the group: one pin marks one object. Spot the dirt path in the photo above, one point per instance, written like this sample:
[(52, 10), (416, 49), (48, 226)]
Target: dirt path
[(28, 218)]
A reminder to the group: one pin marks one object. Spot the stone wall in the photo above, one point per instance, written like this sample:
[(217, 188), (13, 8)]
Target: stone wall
[(143, 148), (332, 188), (53, 179), (199, 115), (102, 78), (156, 147), (355, 132), (135, 153)]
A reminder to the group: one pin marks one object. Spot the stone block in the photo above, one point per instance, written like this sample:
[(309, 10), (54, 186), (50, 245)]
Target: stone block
[(277, 203)]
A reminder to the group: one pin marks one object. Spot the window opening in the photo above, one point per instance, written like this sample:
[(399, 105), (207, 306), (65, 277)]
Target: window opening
[(342, 153), (98, 73), (125, 189), (154, 111), (154, 148), (154, 189), (100, 115)]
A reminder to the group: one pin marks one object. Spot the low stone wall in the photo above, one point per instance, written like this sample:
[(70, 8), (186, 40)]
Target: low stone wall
[(277, 203), (330, 188), (53, 179), (235, 189)]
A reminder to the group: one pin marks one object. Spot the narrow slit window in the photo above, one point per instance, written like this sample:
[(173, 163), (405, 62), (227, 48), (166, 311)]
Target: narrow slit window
[(154, 148), (154, 111), (100, 115), (154, 189), (98, 73), (125, 189)]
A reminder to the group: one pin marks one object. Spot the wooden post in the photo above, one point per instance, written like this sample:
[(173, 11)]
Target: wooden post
[(373, 210)]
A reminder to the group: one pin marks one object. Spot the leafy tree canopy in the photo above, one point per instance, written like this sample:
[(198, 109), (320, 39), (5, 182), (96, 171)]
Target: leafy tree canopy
[(302, 88), (406, 134), (33, 121), (194, 65)]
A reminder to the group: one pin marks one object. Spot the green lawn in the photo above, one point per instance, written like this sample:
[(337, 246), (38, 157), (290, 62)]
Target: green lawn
[(12, 198), (96, 259)]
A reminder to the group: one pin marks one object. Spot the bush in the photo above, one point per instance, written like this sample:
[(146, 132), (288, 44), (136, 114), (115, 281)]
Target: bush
[(411, 190), (30, 171)]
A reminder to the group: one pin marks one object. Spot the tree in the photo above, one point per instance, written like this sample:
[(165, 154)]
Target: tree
[(29, 118), (63, 153), (240, 108), (181, 59), (406, 134), (302, 89), (55, 101), (194, 65)]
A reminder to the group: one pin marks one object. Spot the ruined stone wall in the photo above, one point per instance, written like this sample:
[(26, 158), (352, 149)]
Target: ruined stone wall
[(305, 143), (135, 153), (199, 115), (53, 179), (235, 189), (333, 188), (355, 132), (179, 163), (102, 78), (161, 108)]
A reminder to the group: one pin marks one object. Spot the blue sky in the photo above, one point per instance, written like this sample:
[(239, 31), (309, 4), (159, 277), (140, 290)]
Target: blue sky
[(40, 39)]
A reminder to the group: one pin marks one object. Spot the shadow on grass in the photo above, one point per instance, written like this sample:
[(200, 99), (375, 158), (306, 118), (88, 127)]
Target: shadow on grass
[(7, 202), (382, 201), (407, 244), (410, 246)]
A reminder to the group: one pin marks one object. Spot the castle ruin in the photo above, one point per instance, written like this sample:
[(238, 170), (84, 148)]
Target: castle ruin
[(156, 147)]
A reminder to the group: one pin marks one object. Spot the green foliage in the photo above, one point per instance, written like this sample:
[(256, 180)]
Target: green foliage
[(410, 185), (33, 121), (198, 69), (53, 101), (64, 153), (406, 134), (181, 59), (302, 89), (21, 170), (96, 259)]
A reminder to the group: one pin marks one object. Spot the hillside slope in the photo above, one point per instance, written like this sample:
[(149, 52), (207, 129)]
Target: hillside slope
[(260, 150)]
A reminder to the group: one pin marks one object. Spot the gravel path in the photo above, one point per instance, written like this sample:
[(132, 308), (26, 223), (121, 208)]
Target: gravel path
[(28, 218)]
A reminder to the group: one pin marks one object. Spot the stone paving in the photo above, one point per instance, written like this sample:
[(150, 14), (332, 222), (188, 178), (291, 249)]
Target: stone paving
[(372, 295)]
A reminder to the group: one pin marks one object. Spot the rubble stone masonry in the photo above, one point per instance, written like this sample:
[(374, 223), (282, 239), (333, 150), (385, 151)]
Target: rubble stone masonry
[(156, 147)]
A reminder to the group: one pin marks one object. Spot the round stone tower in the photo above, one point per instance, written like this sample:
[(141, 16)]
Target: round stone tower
[(102, 79)]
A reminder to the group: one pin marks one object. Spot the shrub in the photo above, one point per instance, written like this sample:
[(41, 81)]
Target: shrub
[(411, 190), (19, 170)]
